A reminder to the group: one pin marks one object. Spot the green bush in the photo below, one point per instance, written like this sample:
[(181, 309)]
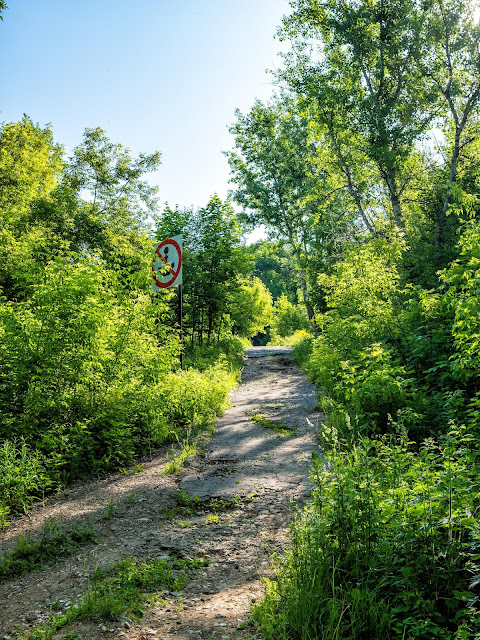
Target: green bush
[(302, 350), (191, 398), (387, 549), (78, 358), (287, 319), (23, 478), (324, 365), (229, 349)]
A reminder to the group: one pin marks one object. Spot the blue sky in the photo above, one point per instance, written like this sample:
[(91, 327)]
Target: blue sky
[(155, 74)]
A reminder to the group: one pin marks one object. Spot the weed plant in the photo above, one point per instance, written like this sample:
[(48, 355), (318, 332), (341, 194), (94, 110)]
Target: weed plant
[(266, 423), (23, 477), (388, 548), (120, 590), (52, 546)]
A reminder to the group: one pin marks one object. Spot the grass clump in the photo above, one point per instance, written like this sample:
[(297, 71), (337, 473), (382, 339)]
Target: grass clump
[(177, 462), (266, 423), (53, 545), (195, 502), (119, 590), (388, 548)]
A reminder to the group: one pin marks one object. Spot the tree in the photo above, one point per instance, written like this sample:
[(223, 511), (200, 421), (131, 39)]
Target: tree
[(113, 180), (276, 267), (356, 62), (281, 184), (114, 201), (287, 319), (30, 169), (450, 62), (251, 309), (213, 264)]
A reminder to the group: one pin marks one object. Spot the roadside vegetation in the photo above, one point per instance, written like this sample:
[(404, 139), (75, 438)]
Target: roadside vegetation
[(90, 378), (120, 591), (53, 545), (381, 226)]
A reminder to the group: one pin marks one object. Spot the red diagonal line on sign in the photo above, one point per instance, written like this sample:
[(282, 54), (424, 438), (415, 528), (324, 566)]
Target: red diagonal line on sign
[(165, 262)]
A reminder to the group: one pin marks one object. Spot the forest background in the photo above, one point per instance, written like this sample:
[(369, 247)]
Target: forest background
[(364, 169)]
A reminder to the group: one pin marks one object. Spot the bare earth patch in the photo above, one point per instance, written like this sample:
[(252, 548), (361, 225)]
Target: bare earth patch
[(255, 475)]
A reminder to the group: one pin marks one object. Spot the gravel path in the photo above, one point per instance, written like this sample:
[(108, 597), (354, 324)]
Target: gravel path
[(256, 462)]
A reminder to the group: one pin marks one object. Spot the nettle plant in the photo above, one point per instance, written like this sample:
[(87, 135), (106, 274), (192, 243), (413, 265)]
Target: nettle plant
[(388, 548)]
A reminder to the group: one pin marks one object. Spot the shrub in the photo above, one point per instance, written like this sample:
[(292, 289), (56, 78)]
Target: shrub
[(386, 549), (287, 319), (302, 350), (23, 477)]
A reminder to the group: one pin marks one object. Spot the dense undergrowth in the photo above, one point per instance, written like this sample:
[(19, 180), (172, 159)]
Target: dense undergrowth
[(389, 547), (125, 422)]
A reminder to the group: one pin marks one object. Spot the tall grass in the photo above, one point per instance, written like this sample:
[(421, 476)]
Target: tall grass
[(388, 548)]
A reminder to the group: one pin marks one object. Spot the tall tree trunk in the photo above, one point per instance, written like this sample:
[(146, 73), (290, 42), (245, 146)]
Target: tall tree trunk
[(210, 325), (352, 190), (302, 278), (194, 318), (389, 175), (202, 320)]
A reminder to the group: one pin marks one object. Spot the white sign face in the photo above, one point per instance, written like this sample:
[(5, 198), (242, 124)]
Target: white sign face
[(167, 263)]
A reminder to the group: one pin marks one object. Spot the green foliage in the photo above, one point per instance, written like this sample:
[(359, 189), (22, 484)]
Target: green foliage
[(30, 166), (302, 350), (214, 266), (463, 296), (362, 293), (53, 545), (370, 100), (276, 267), (120, 590), (228, 350), (251, 308), (388, 545), (386, 549), (373, 385), (78, 357), (287, 319), (190, 397), (23, 477)]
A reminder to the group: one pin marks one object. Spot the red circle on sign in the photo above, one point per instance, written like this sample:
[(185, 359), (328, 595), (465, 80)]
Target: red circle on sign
[(174, 243)]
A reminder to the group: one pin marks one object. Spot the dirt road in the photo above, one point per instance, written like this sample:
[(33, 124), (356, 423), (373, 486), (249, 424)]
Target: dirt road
[(255, 465)]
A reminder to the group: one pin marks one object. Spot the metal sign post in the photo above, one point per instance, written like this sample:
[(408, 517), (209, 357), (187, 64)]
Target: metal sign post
[(167, 272), (180, 322)]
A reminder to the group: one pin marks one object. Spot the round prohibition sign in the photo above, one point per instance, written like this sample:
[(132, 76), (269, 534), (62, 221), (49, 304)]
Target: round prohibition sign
[(168, 283)]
